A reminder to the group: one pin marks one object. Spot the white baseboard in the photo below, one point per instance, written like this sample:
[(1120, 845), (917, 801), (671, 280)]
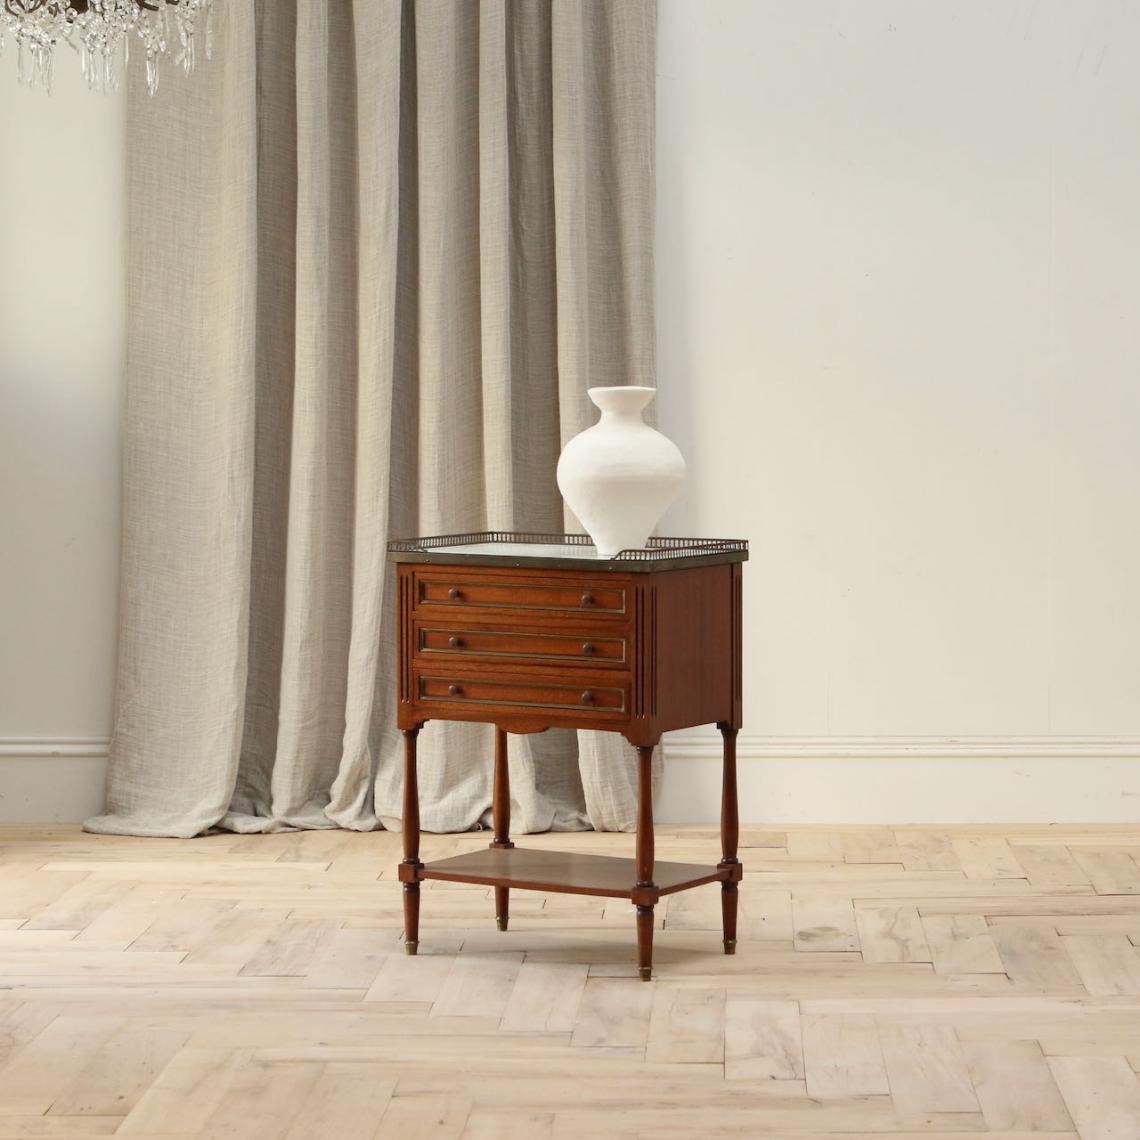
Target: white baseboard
[(842, 780), (895, 780), (52, 781)]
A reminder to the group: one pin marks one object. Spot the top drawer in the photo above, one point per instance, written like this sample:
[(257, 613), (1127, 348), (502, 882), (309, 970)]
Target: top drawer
[(460, 591)]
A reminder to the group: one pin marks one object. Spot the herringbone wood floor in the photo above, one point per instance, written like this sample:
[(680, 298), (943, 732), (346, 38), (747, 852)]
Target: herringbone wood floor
[(901, 983)]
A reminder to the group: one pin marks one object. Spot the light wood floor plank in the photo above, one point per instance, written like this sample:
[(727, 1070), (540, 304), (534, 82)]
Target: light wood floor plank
[(826, 846), (1050, 865), (686, 1026), (504, 1124), (79, 905), (891, 934), (289, 950), (1015, 1086), (961, 944), (347, 959), (1035, 956), (21, 1022), (478, 986), (262, 1099), (410, 978), (870, 845), (128, 918), (1111, 872), (348, 1099), (122, 1069), (58, 1127), (988, 857), (1103, 1096), (926, 1069), (824, 922), (1107, 963), (613, 1011), (425, 1118), (545, 998), (892, 983), (765, 915), (184, 926), (186, 1093), (927, 851), (35, 1076), (245, 933), (762, 1040), (842, 1056)]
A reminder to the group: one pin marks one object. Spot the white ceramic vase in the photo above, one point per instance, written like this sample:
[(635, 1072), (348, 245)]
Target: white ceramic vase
[(620, 475)]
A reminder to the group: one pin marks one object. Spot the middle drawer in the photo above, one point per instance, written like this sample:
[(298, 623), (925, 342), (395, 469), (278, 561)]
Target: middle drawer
[(433, 641)]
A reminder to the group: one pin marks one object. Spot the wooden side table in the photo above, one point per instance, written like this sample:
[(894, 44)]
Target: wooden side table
[(530, 632)]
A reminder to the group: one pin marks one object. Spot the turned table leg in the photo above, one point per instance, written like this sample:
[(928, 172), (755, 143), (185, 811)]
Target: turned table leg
[(501, 816), (729, 836), (411, 842), (645, 861)]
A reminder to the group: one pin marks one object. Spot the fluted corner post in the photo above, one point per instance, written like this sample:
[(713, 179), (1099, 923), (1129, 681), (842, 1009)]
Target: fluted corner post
[(411, 865), (645, 892), (501, 817), (729, 837)]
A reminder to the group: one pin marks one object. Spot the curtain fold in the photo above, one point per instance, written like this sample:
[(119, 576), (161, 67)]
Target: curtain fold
[(378, 252)]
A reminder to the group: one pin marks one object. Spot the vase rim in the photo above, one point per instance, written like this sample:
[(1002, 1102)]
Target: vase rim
[(623, 399)]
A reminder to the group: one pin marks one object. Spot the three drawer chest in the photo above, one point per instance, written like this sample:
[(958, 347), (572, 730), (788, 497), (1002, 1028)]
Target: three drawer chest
[(530, 632)]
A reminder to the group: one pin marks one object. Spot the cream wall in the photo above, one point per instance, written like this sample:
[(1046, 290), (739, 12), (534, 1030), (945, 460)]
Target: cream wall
[(899, 342), (899, 296), (61, 356)]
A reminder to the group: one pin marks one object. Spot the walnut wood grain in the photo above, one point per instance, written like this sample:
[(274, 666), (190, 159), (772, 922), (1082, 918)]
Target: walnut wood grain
[(529, 648), (467, 589), (680, 630), (729, 836), (645, 860), (565, 872), (509, 646), (588, 695), (411, 838), (501, 817), (693, 648)]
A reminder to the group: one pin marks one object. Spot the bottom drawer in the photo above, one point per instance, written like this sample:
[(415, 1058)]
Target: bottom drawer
[(582, 696)]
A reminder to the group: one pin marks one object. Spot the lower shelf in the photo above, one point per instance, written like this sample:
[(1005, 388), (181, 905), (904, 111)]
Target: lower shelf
[(566, 872)]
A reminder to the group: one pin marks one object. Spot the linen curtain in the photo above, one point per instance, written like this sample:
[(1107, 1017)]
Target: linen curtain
[(378, 251)]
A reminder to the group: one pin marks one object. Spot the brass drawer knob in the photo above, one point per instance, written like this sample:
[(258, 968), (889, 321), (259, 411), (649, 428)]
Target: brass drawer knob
[(454, 690), (588, 648), (587, 697), (454, 592), (455, 642), (587, 599)]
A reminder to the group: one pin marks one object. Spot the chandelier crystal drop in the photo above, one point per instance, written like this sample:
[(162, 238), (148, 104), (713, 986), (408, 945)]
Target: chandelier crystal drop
[(100, 31)]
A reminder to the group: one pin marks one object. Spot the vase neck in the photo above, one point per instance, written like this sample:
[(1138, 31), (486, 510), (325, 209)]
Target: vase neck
[(625, 402)]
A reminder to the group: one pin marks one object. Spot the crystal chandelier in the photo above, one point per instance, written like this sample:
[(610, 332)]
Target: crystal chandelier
[(101, 32)]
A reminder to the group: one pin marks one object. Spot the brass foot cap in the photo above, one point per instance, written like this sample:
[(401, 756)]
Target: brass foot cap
[(645, 972), (501, 921), (730, 945), (410, 947)]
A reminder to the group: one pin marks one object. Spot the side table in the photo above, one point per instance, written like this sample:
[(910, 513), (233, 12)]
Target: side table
[(529, 632)]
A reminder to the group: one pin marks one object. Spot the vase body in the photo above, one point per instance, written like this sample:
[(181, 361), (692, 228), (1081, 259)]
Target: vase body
[(619, 476)]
